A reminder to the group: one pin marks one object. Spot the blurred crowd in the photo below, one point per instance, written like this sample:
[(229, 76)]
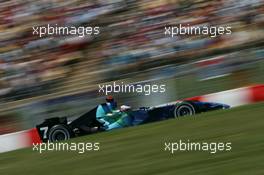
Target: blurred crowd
[(132, 38), (29, 64), (131, 44)]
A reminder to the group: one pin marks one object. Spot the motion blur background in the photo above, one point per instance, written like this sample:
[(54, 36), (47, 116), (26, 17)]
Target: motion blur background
[(59, 75)]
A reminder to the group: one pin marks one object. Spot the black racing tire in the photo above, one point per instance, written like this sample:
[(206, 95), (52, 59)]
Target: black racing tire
[(184, 109), (59, 133)]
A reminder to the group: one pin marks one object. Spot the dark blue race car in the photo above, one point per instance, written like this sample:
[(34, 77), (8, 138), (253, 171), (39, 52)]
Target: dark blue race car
[(56, 129)]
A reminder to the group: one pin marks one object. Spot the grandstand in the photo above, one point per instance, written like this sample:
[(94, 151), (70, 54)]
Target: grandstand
[(131, 46)]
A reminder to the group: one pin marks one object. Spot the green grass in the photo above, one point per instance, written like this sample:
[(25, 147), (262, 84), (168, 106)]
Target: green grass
[(140, 150)]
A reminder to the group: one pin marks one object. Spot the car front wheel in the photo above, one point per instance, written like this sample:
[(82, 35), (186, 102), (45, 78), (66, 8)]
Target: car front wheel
[(184, 109)]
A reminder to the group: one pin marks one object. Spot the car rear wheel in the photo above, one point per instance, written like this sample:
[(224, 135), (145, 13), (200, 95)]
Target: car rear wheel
[(59, 133), (184, 109)]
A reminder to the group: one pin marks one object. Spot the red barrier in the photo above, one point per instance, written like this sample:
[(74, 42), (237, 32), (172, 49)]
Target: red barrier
[(235, 97)]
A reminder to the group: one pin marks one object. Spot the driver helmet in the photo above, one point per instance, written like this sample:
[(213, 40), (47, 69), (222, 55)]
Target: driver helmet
[(109, 99)]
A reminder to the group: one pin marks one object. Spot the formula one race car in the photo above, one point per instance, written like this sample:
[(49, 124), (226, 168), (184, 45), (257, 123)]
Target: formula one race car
[(57, 129)]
